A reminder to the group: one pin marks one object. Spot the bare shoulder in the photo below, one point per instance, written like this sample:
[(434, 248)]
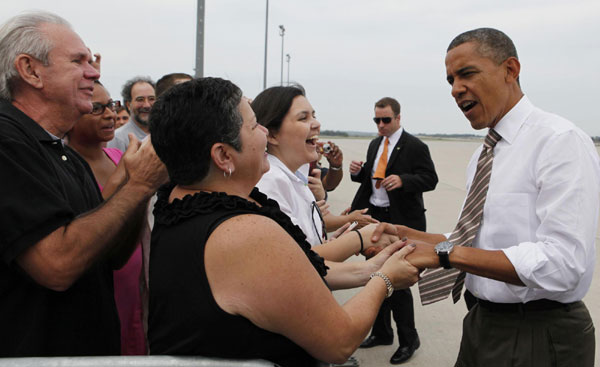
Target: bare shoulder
[(241, 253), (245, 230)]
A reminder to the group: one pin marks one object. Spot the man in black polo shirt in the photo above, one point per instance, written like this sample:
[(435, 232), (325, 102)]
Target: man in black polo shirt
[(58, 244)]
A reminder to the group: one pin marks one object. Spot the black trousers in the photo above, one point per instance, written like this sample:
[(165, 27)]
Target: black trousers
[(400, 304)]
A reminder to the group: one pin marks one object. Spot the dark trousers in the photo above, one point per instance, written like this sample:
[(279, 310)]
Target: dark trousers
[(400, 304), (560, 337)]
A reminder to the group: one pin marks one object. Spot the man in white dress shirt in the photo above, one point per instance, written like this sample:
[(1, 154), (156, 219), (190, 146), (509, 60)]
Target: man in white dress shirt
[(532, 259)]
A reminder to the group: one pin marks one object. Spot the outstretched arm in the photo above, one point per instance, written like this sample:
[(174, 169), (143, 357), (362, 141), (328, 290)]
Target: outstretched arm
[(267, 292), (349, 243)]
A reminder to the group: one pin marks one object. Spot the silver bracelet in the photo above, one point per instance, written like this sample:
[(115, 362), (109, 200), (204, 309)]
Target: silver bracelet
[(335, 168), (388, 282)]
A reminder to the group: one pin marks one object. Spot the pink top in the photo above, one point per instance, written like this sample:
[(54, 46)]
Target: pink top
[(128, 292)]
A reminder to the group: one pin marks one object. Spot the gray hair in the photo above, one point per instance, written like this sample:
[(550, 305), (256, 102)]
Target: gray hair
[(128, 86), (21, 34), (492, 43)]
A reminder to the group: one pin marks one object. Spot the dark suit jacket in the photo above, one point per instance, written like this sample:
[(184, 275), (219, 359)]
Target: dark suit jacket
[(411, 161)]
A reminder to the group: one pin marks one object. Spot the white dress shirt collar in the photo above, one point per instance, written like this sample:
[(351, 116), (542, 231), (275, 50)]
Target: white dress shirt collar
[(275, 161), (393, 140), (508, 127)]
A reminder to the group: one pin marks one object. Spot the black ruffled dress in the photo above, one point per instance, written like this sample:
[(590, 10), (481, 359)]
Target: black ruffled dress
[(184, 317)]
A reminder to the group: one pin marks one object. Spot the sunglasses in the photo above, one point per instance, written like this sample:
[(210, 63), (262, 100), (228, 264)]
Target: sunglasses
[(386, 120), (314, 207), (98, 108)]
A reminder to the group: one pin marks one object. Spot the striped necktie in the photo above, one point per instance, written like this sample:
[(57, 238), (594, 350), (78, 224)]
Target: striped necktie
[(436, 284)]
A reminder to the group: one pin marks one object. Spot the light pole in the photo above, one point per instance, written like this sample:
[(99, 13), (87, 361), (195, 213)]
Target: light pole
[(287, 59), (266, 38), (282, 34), (200, 40)]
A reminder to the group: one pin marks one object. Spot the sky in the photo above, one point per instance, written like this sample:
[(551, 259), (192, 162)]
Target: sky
[(348, 53)]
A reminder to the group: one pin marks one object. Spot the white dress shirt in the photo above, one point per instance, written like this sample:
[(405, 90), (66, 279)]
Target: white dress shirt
[(379, 196), (541, 207), (295, 199)]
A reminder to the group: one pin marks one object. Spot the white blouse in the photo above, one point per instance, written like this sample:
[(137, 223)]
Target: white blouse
[(295, 199)]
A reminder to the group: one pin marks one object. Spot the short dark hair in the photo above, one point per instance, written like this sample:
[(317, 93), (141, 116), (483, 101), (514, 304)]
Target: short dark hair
[(128, 86), (167, 81), (189, 119), (389, 101), (272, 104), (492, 43)]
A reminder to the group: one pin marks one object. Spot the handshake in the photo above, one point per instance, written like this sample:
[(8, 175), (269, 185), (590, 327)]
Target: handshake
[(382, 235), (369, 252)]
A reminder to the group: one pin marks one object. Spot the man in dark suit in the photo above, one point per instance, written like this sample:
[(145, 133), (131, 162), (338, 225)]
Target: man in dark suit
[(392, 181)]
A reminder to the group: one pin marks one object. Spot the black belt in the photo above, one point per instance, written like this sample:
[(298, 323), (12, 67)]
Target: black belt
[(537, 305)]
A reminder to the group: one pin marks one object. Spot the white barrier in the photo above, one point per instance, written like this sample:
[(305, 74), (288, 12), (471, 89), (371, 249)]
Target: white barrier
[(131, 361)]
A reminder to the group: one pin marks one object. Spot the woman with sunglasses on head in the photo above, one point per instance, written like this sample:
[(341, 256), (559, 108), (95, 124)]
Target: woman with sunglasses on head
[(88, 138), (230, 275)]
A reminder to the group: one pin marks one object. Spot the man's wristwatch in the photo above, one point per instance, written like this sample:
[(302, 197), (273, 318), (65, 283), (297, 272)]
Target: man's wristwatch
[(443, 249)]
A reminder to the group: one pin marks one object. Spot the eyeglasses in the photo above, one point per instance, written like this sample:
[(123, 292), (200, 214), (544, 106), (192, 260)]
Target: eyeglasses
[(98, 108), (386, 120)]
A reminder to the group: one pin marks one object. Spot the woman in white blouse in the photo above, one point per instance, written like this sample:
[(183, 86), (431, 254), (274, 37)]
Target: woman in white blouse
[(291, 144)]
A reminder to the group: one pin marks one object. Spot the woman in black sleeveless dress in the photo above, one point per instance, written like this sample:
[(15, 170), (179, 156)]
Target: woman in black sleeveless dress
[(230, 275)]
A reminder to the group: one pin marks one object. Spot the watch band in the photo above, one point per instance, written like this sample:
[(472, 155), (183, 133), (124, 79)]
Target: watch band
[(443, 250), (388, 282), (445, 260)]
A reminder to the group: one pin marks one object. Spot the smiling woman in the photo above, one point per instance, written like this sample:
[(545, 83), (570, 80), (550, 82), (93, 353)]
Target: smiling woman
[(226, 257), (87, 137), (293, 133), (92, 131)]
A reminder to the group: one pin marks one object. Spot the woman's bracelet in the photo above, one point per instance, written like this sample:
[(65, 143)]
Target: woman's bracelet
[(388, 282), (335, 168), (362, 245)]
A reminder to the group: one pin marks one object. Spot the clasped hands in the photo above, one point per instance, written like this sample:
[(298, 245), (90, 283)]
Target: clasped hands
[(402, 260), (387, 253), (422, 257)]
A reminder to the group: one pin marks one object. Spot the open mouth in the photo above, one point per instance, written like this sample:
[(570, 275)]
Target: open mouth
[(312, 140), (109, 127), (467, 105)]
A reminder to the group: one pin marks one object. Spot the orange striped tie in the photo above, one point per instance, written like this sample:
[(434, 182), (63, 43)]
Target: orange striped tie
[(436, 284), (381, 166)]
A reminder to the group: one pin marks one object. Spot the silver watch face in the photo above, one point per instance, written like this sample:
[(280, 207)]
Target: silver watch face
[(444, 247)]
